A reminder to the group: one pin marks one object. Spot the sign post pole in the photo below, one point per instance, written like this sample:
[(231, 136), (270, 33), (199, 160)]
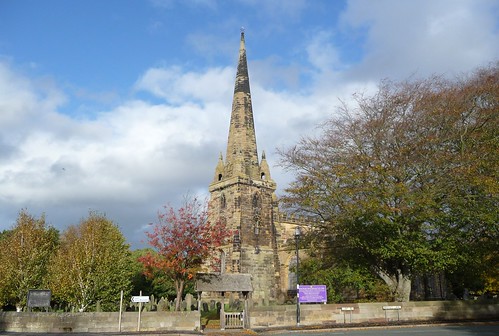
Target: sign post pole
[(140, 310), (121, 309), (140, 299), (298, 313)]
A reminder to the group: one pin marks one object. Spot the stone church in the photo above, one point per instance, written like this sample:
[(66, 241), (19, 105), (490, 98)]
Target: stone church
[(242, 195)]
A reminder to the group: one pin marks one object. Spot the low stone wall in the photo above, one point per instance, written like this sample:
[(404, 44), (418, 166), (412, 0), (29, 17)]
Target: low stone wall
[(259, 317), (99, 322), (317, 314)]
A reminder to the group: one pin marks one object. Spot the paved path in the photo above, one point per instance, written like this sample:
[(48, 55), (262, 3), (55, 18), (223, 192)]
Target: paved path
[(426, 330), (482, 329)]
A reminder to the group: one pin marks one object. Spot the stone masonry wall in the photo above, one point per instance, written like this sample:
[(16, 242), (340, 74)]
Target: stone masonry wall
[(327, 314), (98, 322), (260, 317)]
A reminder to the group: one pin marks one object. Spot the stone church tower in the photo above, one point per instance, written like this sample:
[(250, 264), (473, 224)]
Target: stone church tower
[(242, 195)]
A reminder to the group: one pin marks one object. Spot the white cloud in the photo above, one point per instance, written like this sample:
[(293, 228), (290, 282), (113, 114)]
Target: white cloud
[(271, 73), (23, 101), (129, 159), (126, 161), (177, 86), (322, 54), (423, 37)]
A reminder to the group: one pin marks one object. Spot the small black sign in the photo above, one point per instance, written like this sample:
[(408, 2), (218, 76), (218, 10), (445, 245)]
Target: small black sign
[(39, 298)]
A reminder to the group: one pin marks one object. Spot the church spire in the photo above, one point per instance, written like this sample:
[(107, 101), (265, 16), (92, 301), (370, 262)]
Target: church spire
[(242, 154), (242, 196)]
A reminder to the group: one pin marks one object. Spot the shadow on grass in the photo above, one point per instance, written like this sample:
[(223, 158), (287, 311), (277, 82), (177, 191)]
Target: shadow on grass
[(210, 319)]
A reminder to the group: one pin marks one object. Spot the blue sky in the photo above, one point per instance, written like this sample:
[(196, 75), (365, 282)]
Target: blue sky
[(122, 106)]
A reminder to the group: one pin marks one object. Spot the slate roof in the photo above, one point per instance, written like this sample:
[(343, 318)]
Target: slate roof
[(226, 282)]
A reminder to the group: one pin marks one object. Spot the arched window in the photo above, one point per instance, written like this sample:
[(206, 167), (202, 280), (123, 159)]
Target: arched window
[(257, 212), (222, 262), (236, 241), (256, 202), (223, 201)]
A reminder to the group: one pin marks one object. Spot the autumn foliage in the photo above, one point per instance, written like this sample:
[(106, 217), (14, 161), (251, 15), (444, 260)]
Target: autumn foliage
[(405, 181), (25, 252), (183, 239), (92, 265)]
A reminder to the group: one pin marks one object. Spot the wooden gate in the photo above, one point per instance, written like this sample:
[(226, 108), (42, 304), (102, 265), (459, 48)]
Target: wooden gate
[(222, 283), (233, 320)]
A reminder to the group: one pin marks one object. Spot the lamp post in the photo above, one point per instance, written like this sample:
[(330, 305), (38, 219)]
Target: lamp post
[(297, 238)]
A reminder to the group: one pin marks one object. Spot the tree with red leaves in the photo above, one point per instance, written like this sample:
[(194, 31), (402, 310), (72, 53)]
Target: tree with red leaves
[(183, 240)]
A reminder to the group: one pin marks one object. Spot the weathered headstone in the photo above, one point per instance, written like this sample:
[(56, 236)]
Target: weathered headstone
[(163, 304), (231, 299), (194, 304), (188, 301)]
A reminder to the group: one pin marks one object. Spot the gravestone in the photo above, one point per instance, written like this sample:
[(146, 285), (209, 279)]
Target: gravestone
[(188, 301)]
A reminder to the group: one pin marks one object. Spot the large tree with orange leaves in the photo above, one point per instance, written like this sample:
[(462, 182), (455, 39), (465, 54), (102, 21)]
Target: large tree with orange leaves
[(405, 181), (183, 240)]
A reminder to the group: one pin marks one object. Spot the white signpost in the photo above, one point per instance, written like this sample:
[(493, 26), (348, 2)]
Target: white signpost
[(140, 299)]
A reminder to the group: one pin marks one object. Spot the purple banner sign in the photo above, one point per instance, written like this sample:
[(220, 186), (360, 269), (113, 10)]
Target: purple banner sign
[(312, 293)]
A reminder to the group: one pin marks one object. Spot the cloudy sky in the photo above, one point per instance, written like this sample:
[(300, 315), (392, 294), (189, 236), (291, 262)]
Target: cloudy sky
[(122, 106)]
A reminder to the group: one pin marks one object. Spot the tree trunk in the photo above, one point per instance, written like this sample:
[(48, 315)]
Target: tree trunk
[(179, 286), (399, 284)]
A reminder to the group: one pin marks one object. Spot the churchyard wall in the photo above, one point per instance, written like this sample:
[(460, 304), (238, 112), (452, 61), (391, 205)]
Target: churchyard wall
[(259, 317), (99, 322), (388, 312)]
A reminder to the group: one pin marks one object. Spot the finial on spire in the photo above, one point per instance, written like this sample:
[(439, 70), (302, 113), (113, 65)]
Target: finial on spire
[(242, 30)]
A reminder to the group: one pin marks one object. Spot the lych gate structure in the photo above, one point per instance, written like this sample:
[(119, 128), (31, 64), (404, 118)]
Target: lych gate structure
[(227, 283), (243, 196)]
